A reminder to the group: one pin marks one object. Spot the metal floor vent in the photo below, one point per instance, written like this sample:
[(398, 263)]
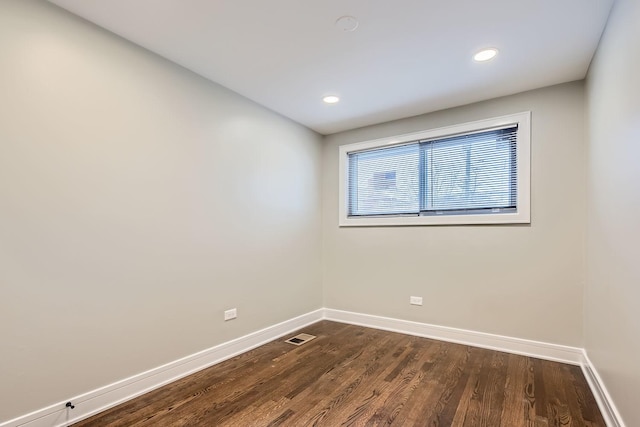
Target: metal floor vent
[(300, 339)]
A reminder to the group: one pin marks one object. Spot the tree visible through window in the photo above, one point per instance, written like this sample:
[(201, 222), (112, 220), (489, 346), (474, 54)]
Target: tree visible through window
[(470, 172)]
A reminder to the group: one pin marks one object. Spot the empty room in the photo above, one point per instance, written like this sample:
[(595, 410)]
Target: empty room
[(319, 213)]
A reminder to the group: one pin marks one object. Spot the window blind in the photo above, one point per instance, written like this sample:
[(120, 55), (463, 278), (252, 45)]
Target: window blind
[(460, 174)]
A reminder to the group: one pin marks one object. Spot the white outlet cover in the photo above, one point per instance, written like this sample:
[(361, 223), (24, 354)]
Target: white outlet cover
[(230, 314), (415, 300)]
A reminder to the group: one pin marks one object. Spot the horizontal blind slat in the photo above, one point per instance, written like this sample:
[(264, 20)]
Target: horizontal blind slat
[(459, 174)]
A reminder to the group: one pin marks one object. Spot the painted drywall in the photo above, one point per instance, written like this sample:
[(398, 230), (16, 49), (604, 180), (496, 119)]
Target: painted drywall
[(612, 317), (523, 281), (137, 202)]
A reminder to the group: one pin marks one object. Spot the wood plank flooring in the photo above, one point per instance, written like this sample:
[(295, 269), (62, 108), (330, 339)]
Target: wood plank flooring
[(355, 376)]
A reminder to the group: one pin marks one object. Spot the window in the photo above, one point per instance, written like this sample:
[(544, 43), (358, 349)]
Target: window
[(475, 173)]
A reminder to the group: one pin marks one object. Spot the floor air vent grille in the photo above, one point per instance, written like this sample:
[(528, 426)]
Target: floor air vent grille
[(300, 339)]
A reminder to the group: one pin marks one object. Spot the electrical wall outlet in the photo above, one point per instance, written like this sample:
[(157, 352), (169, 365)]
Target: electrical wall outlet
[(415, 300), (230, 314)]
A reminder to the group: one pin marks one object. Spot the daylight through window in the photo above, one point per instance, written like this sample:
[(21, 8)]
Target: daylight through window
[(477, 176)]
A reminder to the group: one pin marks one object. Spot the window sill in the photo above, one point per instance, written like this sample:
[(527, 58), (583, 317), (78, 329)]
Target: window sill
[(399, 221)]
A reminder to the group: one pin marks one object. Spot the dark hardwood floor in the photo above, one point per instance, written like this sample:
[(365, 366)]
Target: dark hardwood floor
[(355, 376)]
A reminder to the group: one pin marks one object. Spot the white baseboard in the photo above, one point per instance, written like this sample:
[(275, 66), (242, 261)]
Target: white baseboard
[(608, 409), (98, 400), (541, 350), (103, 398)]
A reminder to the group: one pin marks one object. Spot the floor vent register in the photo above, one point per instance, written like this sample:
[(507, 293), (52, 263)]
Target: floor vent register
[(300, 339)]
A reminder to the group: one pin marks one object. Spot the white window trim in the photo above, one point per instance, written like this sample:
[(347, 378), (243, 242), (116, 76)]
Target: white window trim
[(523, 156)]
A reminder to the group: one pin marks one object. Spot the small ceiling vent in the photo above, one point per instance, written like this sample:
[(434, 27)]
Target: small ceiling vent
[(300, 339)]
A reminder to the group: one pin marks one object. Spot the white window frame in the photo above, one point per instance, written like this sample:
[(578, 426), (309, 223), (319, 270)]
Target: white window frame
[(523, 161)]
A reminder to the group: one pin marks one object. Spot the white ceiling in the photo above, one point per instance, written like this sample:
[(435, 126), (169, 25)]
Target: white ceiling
[(407, 57)]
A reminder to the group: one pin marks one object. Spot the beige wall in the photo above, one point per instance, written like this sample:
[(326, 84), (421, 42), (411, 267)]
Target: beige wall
[(137, 202), (515, 280), (612, 322)]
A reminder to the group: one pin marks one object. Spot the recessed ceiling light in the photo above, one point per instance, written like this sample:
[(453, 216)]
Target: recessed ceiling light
[(485, 55), (331, 99)]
